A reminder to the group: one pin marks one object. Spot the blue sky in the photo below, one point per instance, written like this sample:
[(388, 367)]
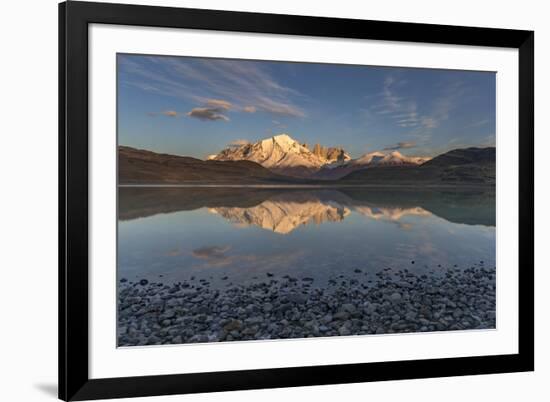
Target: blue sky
[(197, 106)]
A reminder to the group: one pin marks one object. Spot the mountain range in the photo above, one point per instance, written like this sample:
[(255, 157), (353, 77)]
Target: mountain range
[(284, 155), (283, 160), (459, 166), (370, 160)]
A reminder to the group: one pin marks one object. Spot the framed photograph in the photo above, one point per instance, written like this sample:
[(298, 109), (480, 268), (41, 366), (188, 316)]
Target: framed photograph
[(258, 201)]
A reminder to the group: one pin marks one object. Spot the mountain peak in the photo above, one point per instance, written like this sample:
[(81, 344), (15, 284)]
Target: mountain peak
[(283, 137), (370, 160), (283, 154), (470, 166), (286, 142)]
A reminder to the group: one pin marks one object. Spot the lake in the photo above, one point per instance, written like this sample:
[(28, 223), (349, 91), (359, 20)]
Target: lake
[(245, 233), (225, 240)]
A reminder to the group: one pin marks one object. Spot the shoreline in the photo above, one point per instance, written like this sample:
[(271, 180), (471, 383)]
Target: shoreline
[(315, 186), (390, 301)]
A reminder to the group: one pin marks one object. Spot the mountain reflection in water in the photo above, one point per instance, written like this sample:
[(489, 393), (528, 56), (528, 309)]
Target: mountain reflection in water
[(283, 216), (283, 213), (284, 210)]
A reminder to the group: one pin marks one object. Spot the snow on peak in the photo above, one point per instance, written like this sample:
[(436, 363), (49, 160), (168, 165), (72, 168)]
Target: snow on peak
[(282, 152), (283, 139), (285, 142), (368, 158), (393, 158)]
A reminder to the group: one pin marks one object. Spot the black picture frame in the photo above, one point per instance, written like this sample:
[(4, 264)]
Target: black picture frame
[(74, 19)]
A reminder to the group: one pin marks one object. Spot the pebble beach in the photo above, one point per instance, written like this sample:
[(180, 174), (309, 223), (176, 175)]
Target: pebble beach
[(389, 301)]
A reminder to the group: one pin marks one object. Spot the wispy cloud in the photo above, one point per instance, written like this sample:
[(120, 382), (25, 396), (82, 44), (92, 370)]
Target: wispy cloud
[(278, 124), (245, 86), (479, 123), (219, 104), (400, 145), (395, 104), (170, 113), (167, 113), (429, 122)]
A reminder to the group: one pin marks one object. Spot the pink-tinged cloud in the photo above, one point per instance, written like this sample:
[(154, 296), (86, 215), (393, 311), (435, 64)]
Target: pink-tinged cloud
[(249, 109), (219, 103)]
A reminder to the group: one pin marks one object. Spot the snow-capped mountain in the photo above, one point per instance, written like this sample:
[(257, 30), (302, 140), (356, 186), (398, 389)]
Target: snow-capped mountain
[(394, 158), (285, 155), (370, 160)]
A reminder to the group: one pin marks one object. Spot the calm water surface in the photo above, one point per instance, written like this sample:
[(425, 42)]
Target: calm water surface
[(237, 236)]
